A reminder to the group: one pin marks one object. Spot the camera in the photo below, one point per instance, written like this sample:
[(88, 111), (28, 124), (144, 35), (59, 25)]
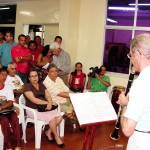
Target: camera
[(95, 70)]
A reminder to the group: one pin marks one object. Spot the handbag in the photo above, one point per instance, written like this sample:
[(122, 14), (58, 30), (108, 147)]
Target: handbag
[(6, 110), (75, 89), (42, 107)]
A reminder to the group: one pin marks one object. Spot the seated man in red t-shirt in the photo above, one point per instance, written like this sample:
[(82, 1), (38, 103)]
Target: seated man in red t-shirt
[(21, 56)]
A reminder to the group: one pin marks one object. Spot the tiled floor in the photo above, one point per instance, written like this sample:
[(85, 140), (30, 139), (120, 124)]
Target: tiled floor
[(73, 139)]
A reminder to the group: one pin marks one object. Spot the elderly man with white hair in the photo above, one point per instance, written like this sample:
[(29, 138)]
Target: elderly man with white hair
[(135, 118), (14, 80), (62, 60)]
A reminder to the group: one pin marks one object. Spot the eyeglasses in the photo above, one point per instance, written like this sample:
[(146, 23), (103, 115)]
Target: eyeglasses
[(34, 76), (13, 68), (53, 71), (129, 55)]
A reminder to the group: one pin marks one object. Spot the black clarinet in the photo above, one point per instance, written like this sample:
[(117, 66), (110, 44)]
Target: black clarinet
[(115, 134)]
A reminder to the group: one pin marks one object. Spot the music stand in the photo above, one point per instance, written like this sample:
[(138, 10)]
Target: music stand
[(91, 110)]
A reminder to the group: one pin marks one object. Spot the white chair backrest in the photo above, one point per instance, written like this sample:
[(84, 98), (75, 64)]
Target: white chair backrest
[(109, 92), (22, 100)]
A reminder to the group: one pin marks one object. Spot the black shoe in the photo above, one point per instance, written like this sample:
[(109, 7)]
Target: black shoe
[(50, 141), (82, 128), (61, 145)]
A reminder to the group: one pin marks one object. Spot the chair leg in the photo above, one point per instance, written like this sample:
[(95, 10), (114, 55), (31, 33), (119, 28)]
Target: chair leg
[(24, 132), (38, 131), (61, 128), (74, 126), (43, 127)]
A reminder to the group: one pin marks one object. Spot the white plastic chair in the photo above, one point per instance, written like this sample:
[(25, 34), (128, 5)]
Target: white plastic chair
[(38, 125), (109, 92), (1, 139)]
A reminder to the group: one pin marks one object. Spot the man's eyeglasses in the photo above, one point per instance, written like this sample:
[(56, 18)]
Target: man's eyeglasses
[(53, 71), (13, 68), (129, 55)]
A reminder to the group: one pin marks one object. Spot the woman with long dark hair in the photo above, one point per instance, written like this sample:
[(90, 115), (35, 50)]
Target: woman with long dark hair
[(45, 57), (77, 79)]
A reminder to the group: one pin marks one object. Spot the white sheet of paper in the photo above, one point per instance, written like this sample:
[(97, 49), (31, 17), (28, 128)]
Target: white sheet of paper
[(45, 67), (93, 107)]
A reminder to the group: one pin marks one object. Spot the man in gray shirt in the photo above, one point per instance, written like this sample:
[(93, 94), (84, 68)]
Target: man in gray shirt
[(62, 60)]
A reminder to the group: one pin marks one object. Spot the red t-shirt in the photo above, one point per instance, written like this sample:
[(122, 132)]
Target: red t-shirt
[(35, 55), (40, 49), (77, 80), (18, 51)]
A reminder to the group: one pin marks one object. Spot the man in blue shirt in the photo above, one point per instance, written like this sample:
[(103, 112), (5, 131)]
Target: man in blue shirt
[(1, 38), (5, 49)]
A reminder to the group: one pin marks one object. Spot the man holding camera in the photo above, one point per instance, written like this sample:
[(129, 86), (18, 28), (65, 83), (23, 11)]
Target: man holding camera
[(99, 82)]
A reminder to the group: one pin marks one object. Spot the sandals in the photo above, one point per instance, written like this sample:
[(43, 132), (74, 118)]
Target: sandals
[(70, 117)]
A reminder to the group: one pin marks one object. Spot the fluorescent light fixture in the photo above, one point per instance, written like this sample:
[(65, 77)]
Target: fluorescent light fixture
[(4, 8), (111, 20), (140, 4), (121, 8)]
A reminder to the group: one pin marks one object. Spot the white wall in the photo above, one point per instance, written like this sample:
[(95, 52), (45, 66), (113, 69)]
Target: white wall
[(51, 31), (81, 25), (36, 12), (69, 26), (82, 28)]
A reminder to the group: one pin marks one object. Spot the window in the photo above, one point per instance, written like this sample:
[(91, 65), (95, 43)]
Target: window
[(125, 19), (7, 14), (7, 18), (4, 29)]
